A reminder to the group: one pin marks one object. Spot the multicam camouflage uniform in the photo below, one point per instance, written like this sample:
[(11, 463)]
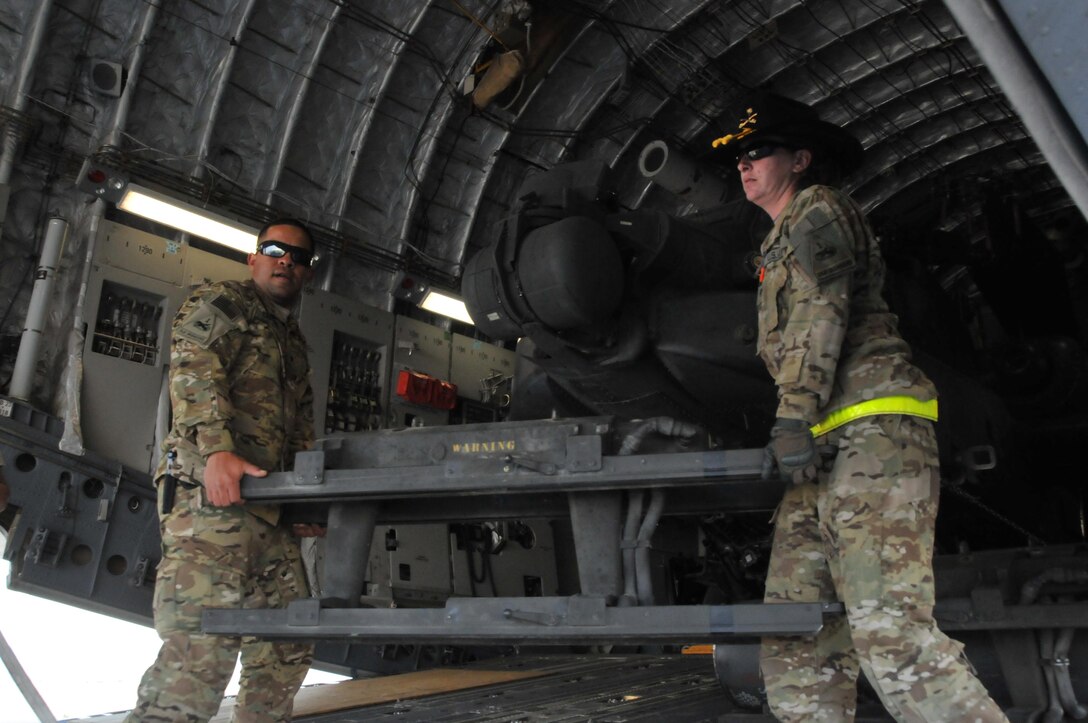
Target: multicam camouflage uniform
[(863, 533), (239, 382)]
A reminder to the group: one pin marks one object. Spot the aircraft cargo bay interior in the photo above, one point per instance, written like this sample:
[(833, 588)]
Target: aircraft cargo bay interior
[(504, 329)]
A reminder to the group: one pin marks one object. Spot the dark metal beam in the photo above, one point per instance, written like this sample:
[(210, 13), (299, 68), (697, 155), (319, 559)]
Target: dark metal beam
[(577, 620)]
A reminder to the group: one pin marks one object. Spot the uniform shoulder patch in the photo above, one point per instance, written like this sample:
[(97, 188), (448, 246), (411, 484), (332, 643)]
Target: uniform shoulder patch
[(208, 319), (823, 246)]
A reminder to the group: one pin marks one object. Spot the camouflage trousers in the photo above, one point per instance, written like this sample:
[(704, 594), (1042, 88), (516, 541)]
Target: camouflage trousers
[(863, 534), (221, 557)]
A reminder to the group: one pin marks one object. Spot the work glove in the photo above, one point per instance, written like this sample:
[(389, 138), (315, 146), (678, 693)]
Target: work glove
[(793, 450)]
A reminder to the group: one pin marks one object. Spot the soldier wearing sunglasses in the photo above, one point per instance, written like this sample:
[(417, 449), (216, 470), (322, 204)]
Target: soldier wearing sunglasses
[(854, 437), (241, 404)]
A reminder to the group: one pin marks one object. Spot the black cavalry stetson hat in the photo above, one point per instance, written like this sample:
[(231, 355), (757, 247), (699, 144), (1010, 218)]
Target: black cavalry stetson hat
[(767, 118)]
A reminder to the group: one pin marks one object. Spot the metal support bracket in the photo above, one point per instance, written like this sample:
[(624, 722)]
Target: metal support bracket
[(309, 468)]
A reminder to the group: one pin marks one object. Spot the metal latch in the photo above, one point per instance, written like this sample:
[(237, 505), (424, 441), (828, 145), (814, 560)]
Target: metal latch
[(510, 462)]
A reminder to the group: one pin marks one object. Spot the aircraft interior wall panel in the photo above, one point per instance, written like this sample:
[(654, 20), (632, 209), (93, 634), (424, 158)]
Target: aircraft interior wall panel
[(123, 377), (422, 565), (137, 283), (202, 267), (119, 403), (409, 565), (482, 372), (418, 347), (524, 567), (86, 535), (1056, 43), (123, 247)]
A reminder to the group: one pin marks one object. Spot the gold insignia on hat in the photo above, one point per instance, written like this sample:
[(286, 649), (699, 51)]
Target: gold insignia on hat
[(746, 127)]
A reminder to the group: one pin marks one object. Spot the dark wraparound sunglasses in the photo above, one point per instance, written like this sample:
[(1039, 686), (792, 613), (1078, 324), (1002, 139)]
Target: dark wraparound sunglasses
[(278, 249), (757, 152)]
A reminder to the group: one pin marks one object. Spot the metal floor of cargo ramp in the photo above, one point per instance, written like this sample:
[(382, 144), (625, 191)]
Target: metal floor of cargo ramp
[(569, 688), (591, 688), (564, 689)]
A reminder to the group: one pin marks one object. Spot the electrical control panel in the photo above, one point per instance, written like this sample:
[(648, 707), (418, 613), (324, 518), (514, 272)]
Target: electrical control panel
[(349, 357), (138, 282), (133, 293), (129, 324)]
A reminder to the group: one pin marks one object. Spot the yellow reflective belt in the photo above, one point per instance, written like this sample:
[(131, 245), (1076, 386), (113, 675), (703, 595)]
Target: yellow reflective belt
[(884, 405)]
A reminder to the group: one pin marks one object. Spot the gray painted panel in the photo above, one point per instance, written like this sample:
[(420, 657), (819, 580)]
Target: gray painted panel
[(1053, 30)]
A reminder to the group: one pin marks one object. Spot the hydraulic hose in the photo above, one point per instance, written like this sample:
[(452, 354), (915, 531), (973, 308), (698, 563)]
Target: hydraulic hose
[(642, 551), (1062, 699), (628, 544), (1053, 713), (1062, 679), (637, 579), (665, 426)]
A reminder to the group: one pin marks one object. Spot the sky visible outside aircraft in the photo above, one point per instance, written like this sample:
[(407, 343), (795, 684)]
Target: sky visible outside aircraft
[(82, 663)]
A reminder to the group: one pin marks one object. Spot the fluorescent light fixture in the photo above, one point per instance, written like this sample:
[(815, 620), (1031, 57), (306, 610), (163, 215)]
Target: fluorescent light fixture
[(190, 219), (445, 305)]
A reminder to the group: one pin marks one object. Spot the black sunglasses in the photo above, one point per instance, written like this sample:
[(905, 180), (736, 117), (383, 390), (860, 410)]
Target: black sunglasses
[(757, 152), (278, 249)]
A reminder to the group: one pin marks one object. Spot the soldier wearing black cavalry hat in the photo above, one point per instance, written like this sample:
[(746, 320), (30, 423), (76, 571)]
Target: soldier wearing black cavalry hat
[(857, 524)]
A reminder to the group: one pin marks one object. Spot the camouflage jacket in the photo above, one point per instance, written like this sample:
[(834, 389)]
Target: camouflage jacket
[(825, 332), (239, 382)]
